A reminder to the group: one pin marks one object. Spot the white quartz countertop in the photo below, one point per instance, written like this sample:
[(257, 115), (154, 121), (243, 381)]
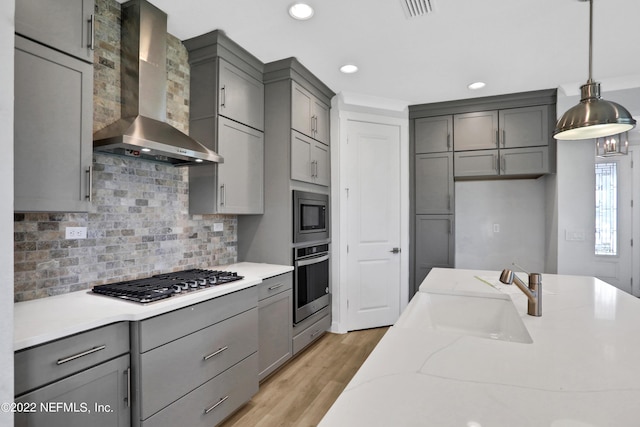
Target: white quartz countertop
[(42, 320), (582, 369)]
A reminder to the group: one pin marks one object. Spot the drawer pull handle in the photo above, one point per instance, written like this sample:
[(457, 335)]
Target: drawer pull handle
[(215, 353), (276, 286), (79, 355), (218, 403), (313, 335)]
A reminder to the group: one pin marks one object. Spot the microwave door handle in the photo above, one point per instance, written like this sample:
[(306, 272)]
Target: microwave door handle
[(309, 261)]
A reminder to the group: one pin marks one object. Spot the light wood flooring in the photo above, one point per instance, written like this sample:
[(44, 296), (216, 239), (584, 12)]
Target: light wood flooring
[(302, 391)]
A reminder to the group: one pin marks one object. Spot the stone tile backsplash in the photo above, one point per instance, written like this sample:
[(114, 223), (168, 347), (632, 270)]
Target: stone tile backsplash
[(138, 224)]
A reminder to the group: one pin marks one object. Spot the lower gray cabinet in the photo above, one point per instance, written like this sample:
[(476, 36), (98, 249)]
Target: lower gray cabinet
[(275, 317), (96, 397), (434, 244), (196, 365), (80, 380)]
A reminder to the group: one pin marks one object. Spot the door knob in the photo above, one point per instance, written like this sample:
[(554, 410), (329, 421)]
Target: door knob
[(395, 250)]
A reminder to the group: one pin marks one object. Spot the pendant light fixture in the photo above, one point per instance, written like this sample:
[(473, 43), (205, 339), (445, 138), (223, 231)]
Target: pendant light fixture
[(593, 117)]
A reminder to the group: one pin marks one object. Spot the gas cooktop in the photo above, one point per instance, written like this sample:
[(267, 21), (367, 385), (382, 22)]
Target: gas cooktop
[(163, 286)]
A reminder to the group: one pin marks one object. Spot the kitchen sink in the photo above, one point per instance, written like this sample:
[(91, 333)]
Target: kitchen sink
[(486, 316)]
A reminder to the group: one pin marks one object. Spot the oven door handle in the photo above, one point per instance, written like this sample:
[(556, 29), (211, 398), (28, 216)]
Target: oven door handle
[(309, 261)]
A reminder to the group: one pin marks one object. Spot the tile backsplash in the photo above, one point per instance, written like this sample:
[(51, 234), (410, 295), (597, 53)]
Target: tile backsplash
[(138, 223)]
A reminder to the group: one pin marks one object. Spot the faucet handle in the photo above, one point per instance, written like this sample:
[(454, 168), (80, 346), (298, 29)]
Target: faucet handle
[(506, 276)]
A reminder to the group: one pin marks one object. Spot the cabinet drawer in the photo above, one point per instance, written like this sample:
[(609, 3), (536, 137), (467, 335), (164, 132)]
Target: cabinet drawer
[(96, 397), (274, 285), (310, 334), (159, 330), (174, 369), (37, 366), (212, 402)]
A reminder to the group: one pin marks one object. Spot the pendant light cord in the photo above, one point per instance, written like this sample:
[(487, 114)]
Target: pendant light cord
[(590, 41)]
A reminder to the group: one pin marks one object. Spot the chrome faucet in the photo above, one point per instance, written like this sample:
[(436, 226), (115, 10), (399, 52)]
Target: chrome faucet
[(533, 291)]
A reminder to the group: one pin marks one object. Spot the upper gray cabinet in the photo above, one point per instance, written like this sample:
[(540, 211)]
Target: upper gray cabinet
[(53, 122), (524, 127), (309, 160), (65, 25), (227, 116), (433, 134), (241, 96), (309, 115), (476, 131)]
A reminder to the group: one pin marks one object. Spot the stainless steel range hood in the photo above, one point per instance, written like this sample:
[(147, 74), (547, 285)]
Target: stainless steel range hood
[(143, 131)]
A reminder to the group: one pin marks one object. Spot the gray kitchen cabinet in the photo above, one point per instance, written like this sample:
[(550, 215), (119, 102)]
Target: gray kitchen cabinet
[(309, 115), (239, 180), (275, 314), (476, 163), (434, 183), (524, 127), (65, 25), (227, 116), (197, 364), (433, 134), (434, 244), (84, 379), (241, 96), (475, 131), (524, 161), (53, 123), (96, 397), (309, 160)]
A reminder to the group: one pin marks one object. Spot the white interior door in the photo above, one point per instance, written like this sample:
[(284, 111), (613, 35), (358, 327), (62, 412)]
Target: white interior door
[(373, 224), (617, 269)]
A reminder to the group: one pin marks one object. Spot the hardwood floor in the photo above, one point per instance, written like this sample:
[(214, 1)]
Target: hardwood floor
[(301, 392)]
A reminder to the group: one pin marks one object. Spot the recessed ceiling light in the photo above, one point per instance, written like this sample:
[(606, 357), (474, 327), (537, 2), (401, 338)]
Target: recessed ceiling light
[(477, 85), (146, 150), (349, 68), (199, 160), (301, 11)]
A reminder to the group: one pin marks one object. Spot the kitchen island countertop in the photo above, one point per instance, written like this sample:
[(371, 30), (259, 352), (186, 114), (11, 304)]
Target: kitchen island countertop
[(580, 371), (46, 319)]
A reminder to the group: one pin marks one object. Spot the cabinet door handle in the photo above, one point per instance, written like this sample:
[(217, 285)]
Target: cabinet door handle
[(504, 164), (504, 138), (92, 32), (128, 398), (223, 96), (219, 402), (223, 195), (89, 175), (448, 141), (494, 163), (79, 355), (215, 353), (497, 138), (272, 288)]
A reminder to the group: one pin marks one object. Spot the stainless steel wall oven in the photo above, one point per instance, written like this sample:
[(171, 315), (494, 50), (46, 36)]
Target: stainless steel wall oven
[(311, 280)]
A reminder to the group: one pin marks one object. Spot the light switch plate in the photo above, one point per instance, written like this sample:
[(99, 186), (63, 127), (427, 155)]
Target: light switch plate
[(218, 226)]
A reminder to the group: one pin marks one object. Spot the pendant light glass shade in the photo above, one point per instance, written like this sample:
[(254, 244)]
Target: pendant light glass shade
[(593, 117)]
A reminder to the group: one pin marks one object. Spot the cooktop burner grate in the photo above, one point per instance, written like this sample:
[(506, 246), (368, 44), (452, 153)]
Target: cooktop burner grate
[(165, 285)]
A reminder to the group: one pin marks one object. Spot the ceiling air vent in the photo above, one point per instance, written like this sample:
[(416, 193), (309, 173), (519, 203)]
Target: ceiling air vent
[(414, 8)]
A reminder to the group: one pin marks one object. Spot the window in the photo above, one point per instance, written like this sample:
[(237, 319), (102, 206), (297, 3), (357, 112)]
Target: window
[(606, 208)]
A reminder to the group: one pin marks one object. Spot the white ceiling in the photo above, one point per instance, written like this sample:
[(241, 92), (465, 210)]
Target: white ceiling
[(512, 45)]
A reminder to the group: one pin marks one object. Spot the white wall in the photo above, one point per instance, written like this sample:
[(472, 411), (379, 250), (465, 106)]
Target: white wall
[(516, 209), (6, 209)]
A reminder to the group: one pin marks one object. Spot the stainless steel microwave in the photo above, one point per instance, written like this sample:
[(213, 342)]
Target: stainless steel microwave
[(310, 217)]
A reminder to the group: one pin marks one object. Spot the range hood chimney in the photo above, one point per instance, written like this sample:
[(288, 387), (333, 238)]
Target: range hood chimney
[(143, 131)]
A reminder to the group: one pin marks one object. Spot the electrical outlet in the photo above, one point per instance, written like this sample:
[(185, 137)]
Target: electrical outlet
[(496, 228), (75, 233), (218, 226)]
